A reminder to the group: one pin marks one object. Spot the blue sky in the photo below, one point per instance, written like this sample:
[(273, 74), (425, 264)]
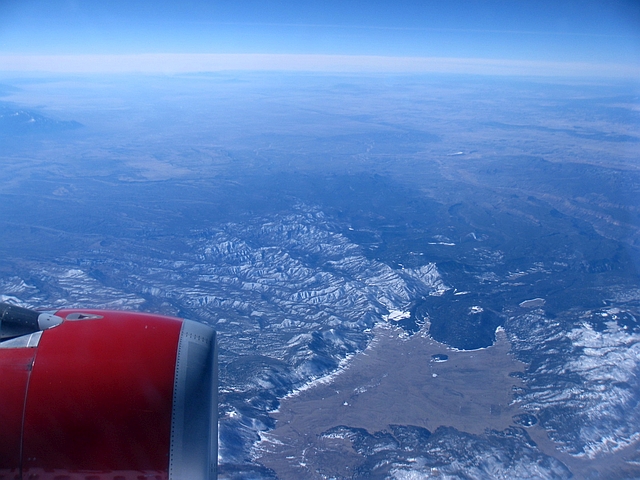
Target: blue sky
[(587, 31)]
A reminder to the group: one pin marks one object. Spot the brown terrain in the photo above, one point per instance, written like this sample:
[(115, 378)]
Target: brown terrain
[(395, 381)]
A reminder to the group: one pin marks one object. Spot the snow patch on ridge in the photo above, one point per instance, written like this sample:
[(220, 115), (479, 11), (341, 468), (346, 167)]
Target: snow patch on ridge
[(583, 382)]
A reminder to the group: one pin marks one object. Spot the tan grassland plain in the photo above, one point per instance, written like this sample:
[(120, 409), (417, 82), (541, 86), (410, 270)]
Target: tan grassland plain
[(394, 381)]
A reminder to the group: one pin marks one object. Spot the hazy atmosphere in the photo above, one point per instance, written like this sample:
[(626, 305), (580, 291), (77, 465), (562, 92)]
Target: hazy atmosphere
[(415, 226), (546, 33)]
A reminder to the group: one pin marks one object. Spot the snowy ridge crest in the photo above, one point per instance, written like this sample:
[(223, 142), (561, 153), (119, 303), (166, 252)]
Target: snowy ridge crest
[(583, 383)]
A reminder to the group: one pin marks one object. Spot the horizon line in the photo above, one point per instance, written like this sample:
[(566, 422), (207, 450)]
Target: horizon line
[(176, 63)]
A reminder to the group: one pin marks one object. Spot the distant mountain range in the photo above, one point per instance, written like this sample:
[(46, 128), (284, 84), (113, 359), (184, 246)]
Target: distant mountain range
[(18, 121)]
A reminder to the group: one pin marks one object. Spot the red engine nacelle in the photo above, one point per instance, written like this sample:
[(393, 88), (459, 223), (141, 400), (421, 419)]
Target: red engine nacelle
[(93, 395)]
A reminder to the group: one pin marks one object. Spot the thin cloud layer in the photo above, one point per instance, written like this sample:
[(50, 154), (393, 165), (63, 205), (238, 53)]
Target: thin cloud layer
[(189, 63)]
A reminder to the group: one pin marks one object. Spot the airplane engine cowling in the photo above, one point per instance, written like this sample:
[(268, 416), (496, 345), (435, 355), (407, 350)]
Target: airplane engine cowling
[(109, 395)]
